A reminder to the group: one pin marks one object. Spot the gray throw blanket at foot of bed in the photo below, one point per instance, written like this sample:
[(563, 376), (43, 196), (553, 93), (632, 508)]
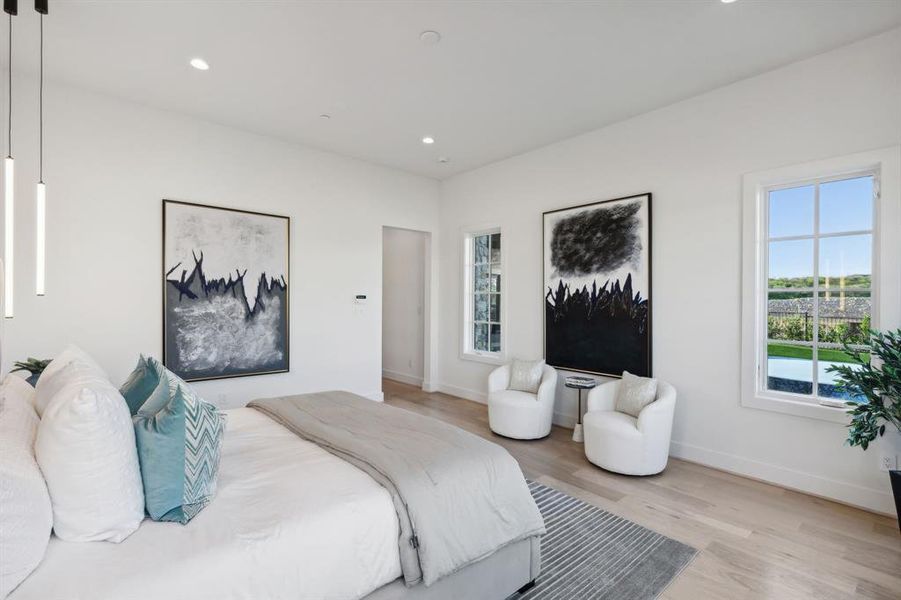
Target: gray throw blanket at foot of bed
[(459, 498)]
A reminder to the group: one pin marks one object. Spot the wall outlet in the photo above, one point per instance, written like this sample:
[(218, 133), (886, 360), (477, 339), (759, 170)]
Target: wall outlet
[(888, 462)]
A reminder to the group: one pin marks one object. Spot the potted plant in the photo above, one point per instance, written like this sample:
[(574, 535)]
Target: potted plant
[(34, 366), (876, 385)]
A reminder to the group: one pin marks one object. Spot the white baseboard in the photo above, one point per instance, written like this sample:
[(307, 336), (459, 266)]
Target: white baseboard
[(564, 420), (402, 377), (846, 493), (465, 393)]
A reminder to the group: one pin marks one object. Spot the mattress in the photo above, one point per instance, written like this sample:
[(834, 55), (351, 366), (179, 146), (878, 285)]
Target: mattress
[(289, 520)]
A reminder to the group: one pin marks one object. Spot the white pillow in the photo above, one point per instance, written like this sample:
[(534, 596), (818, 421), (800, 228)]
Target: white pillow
[(525, 375), (25, 515), (635, 393), (49, 384), (86, 448)]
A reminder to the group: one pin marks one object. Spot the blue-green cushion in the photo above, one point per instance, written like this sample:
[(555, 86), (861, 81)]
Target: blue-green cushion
[(140, 384), (179, 440)]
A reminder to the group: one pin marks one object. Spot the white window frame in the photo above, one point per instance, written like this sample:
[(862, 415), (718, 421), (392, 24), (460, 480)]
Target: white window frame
[(885, 165), (467, 352)]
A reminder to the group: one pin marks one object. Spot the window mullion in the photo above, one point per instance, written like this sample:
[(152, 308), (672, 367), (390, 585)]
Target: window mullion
[(471, 296), (763, 366), (815, 388), (475, 293), (488, 297)]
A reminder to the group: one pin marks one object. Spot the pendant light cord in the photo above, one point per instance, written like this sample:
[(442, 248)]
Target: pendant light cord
[(41, 102), (9, 123)]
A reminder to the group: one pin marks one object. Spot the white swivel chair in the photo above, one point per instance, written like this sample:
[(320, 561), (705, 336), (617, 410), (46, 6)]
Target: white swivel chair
[(623, 444), (521, 415)]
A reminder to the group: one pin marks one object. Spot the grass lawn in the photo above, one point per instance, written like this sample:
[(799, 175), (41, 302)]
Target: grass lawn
[(789, 351)]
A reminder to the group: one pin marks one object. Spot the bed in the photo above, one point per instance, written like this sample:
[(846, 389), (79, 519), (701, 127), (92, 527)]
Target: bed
[(290, 520)]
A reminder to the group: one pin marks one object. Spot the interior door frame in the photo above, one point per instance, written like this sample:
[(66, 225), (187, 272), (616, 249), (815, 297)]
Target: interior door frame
[(429, 305)]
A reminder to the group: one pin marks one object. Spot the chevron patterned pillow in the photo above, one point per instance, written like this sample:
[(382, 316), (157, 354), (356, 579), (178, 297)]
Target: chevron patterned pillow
[(179, 439)]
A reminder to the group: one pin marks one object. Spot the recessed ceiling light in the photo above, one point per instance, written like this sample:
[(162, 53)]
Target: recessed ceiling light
[(428, 140), (325, 116), (200, 64), (727, 1), (430, 38)]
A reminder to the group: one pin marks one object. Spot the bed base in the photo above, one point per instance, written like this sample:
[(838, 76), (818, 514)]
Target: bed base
[(526, 587), (511, 569)]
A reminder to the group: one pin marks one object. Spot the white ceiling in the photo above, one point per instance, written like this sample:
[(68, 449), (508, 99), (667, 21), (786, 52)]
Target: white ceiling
[(505, 78)]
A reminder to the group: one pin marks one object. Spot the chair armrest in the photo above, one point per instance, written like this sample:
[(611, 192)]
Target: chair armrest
[(547, 391), (499, 379), (603, 397), (657, 416)]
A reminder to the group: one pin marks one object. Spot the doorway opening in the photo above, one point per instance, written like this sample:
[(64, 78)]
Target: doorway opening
[(405, 301)]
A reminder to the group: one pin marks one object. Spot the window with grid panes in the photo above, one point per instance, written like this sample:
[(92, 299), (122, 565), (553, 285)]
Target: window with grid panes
[(818, 283), (483, 326)]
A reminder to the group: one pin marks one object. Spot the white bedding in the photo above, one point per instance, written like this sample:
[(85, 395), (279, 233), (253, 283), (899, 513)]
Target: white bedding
[(289, 520)]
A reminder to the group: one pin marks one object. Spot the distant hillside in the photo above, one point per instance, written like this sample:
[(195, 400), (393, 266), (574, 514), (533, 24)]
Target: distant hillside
[(849, 281)]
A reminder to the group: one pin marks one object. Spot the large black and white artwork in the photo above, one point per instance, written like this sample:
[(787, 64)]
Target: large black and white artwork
[(225, 299), (597, 287)]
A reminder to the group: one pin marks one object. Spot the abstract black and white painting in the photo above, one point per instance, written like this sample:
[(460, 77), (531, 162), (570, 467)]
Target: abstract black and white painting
[(597, 287), (225, 299)]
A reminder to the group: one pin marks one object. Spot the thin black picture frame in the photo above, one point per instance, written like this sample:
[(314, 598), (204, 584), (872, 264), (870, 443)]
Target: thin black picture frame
[(164, 273), (650, 294)]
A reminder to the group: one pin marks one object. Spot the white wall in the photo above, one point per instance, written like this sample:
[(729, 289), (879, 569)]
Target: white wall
[(691, 156), (403, 278), (108, 165)]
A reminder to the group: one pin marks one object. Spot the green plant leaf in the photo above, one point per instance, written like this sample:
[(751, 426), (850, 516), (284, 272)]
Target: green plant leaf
[(877, 382)]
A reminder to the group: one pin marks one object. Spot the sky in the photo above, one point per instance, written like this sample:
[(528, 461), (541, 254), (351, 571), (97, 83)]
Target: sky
[(845, 205)]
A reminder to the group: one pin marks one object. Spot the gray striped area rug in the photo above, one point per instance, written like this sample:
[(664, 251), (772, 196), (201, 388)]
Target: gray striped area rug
[(590, 553)]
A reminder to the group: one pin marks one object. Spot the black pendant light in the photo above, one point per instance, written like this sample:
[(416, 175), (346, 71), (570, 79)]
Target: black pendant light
[(41, 191), (10, 7)]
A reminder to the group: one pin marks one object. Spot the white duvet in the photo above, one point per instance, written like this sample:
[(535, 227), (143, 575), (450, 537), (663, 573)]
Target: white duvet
[(289, 521)]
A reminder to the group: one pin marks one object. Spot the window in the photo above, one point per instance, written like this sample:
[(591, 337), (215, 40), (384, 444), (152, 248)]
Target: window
[(819, 283), (812, 279), (483, 291)]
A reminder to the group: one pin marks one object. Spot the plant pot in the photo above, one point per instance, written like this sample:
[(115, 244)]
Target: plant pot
[(33, 380), (896, 490)]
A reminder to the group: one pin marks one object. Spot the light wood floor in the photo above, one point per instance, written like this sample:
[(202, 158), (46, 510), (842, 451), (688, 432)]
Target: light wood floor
[(755, 540)]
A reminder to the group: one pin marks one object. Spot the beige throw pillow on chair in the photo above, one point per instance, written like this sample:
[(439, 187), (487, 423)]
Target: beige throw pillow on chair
[(635, 393), (525, 375)]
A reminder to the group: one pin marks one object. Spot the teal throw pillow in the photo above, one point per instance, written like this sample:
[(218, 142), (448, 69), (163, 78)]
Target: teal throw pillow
[(140, 384), (179, 440)]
